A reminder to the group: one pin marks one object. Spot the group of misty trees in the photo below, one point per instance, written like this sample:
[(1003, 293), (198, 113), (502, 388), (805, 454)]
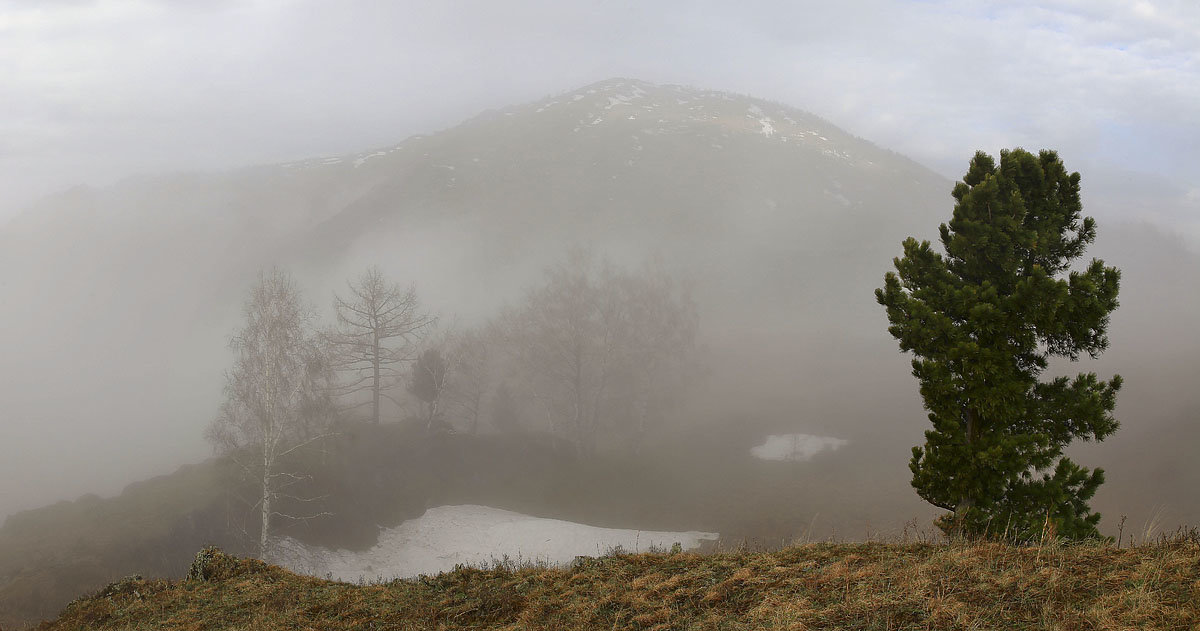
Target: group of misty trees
[(593, 354)]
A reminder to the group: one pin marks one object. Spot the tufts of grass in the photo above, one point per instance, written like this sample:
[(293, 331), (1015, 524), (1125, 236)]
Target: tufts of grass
[(884, 586)]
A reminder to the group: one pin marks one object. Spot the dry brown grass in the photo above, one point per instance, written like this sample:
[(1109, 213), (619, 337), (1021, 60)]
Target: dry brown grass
[(814, 586)]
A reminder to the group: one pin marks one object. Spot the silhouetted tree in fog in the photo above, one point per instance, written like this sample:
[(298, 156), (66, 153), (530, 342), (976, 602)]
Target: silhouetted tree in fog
[(276, 394), (428, 383), (595, 342), (983, 321), (504, 410), (379, 325), (469, 358)]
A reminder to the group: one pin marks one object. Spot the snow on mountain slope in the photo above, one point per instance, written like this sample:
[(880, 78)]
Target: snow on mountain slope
[(647, 109)]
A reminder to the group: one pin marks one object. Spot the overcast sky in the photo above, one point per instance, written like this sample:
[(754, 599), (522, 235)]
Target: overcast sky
[(91, 92)]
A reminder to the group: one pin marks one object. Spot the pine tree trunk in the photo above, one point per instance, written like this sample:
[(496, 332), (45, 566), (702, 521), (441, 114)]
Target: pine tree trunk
[(966, 502)]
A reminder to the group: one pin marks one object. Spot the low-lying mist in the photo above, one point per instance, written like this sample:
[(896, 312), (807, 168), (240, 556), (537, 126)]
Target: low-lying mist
[(120, 303)]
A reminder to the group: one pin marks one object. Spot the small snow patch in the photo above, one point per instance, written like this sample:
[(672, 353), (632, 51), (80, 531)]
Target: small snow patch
[(614, 101), (795, 447), (359, 161), (768, 129)]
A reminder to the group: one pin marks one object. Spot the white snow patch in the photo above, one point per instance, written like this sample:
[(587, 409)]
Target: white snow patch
[(362, 159), (447, 536), (614, 101), (838, 197), (577, 97), (768, 129), (797, 447), (756, 110)]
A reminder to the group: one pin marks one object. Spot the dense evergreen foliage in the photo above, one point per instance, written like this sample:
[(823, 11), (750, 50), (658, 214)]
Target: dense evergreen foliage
[(982, 321)]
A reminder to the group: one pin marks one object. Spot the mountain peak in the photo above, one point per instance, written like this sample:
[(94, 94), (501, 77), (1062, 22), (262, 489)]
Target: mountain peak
[(631, 109), (641, 107)]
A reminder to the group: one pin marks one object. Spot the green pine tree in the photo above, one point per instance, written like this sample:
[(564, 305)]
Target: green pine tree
[(982, 321)]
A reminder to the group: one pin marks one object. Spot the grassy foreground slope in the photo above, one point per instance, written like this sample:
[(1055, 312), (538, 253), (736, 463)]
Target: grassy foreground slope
[(815, 586)]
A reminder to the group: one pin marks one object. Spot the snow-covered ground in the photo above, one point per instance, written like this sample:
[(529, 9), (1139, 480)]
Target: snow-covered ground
[(799, 447), (473, 535)]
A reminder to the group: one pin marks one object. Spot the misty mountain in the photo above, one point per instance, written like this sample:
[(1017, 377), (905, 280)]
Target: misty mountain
[(119, 301)]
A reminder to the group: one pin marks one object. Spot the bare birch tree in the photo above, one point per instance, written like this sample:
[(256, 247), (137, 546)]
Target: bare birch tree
[(276, 394), (428, 384), (379, 325)]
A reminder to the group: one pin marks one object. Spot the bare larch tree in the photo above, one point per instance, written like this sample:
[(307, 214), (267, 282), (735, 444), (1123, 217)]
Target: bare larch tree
[(378, 327), (276, 394)]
